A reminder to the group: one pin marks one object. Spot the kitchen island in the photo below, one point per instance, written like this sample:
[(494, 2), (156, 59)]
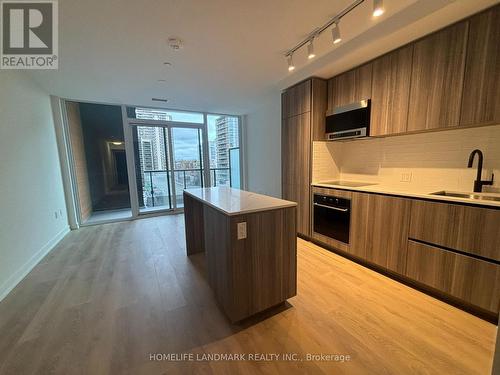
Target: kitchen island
[(250, 246)]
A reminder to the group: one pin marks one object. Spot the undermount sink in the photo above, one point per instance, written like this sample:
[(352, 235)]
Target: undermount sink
[(476, 196)]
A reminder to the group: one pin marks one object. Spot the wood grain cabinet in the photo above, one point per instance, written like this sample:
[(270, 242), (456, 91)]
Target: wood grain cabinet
[(379, 229), (303, 120), (472, 280), (296, 100), (481, 93), (390, 92), (296, 161), (473, 230), (349, 87), (437, 79)]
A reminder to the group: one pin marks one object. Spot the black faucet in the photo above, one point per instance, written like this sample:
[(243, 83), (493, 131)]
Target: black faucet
[(478, 184)]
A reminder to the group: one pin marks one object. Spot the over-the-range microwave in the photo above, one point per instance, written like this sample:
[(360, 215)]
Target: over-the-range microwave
[(349, 121)]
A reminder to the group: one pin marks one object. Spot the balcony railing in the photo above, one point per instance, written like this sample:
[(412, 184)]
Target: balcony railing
[(157, 190)]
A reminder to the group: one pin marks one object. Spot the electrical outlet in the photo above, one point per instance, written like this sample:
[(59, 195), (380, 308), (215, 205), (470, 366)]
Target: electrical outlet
[(406, 177), (242, 230)]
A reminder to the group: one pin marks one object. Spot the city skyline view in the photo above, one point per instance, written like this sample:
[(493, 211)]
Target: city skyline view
[(155, 151)]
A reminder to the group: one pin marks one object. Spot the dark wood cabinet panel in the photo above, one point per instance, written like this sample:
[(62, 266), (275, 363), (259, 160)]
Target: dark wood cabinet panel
[(379, 229), (193, 221), (318, 109), (390, 92), (481, 99), (472, 280), (473, 230), (349, 87), (301, 124), (296, 100), (253, 274), (296, 162), (360, 207), (266, 262), (437, 79)]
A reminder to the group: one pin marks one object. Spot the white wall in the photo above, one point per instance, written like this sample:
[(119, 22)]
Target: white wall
[(30, 179), (263, 147)]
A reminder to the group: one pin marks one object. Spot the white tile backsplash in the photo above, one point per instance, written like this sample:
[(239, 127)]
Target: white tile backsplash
[(436, 160), (326, 159)]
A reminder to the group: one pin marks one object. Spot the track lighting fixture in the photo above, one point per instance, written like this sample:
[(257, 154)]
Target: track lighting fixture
[(291, 67), (378, 8), (336, 33), (310, 49)]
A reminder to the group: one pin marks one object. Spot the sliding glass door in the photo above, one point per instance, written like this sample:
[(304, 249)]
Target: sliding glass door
[(168, 159), (187, 156), (152, 168)]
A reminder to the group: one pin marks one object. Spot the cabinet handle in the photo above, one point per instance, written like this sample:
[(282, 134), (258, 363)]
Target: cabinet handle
[(331, 208)]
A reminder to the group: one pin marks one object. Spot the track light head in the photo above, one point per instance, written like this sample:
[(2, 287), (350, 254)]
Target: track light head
[(378, 8), (336, 33), (310, 49), (289, 59)]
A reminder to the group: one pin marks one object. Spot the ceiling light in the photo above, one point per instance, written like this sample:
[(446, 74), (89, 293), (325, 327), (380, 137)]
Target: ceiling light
[(378, 8), (167, 63), (291, 67), (159, 100), (336, 33), (117, 143), (333, 24), (310, 49)]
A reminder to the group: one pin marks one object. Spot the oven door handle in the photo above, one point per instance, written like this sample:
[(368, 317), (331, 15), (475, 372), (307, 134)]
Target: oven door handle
[(331, 208)]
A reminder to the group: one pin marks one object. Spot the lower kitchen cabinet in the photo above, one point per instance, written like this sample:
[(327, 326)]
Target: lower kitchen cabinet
[(472, 280), (468, 229), (451, 248), (379, 230)]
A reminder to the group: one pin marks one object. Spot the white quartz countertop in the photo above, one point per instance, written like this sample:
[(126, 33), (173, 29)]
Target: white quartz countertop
[(411, 193), (236, 202)]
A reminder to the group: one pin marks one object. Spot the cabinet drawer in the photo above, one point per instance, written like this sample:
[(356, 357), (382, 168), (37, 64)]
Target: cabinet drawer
[(472, 280), (473, 230)]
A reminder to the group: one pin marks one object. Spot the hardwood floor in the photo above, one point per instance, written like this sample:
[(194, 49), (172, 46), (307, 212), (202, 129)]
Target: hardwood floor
[(107, 296)]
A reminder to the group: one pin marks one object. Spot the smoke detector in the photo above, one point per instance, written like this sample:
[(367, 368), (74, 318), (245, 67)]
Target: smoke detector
[(175, 43)]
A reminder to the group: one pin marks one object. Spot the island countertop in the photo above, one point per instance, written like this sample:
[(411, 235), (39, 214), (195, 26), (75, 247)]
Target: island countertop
[(233, 201)]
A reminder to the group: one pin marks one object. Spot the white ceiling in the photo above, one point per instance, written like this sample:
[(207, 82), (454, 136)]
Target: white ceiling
[(113, 50)]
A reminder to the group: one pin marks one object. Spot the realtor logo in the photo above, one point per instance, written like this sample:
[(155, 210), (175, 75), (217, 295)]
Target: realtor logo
[(29, 34)]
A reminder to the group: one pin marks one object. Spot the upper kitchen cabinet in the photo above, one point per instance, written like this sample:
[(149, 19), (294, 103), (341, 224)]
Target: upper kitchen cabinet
[(318, 108), (307, 97), (350, 87), (437, 79), (296, 100), (481, 96), (391, 91)]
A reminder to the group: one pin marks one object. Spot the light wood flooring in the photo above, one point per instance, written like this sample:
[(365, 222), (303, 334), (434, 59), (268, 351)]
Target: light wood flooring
[(107, 296)]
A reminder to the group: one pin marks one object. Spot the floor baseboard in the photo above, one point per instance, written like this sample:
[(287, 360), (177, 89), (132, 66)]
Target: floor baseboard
[(26, 268)]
